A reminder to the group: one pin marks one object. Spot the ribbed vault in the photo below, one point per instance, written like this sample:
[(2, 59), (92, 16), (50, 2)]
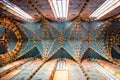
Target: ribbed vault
[(76, 37)]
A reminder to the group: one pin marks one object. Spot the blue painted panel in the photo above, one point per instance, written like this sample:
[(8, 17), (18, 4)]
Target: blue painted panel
[(78, 44), (96, 32), (50, 35), (55, 47), (84, 33), (24, 36), (2, 30), (96, 47), (115, 54), (79, 37), (100, 42), (2, 47), (105, 43), (61, 53), (56, 34), (29, 33), (67, 32), (45, 43), (86, 25), (83, 47), (30, 44), (34, 52), (39, 34), (40, 46), (72, 35), (73, 45), (11, 35), (68, 49), (33, 26), (92, 54), (116, 47), (11, 45), (94, 24), (50, 44), (24, 44), (62, 26)]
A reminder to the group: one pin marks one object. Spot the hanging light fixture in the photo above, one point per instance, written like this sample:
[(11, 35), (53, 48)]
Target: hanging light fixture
[(59, 8), (105, 8), (14, 8)]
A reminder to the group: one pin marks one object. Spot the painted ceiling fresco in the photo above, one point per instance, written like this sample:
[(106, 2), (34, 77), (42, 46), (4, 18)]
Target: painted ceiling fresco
[(47, 39), (80, 47)]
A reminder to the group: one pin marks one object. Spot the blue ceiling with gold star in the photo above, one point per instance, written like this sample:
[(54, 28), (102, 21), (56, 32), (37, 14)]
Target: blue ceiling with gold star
[(83, 39)]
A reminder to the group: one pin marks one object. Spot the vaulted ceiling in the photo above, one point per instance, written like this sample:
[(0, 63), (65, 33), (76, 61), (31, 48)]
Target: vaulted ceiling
[(79, 37), (45, 39), (39, 8)]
